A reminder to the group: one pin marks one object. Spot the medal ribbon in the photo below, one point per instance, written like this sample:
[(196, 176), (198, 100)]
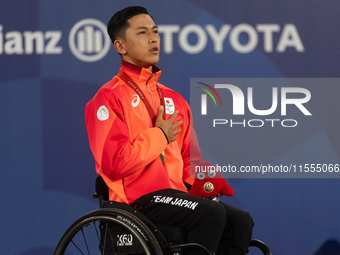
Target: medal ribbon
[(141, 95)]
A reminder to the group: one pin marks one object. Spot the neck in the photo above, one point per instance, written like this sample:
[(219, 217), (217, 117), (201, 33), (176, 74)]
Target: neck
[(150, 68)]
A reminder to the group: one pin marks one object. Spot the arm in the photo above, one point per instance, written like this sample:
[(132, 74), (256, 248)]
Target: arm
[(115, 153)]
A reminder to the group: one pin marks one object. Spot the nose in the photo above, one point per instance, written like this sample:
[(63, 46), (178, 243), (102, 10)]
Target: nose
[(154, 38)]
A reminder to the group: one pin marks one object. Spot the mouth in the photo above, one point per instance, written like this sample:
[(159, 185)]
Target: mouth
[(154, 50)]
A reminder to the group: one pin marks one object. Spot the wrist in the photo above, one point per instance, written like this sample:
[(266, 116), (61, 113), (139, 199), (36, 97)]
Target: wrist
[(167, 139)]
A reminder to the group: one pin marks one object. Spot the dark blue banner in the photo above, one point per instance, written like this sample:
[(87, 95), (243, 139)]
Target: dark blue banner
[(55, 55)]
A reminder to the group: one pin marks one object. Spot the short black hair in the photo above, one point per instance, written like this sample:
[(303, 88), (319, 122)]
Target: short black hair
[(118, 24)]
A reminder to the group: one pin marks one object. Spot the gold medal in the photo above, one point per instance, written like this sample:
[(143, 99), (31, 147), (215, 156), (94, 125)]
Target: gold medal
[(163, 158)]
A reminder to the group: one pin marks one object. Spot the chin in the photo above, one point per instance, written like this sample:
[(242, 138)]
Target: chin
[(156, 61), (151, 63)]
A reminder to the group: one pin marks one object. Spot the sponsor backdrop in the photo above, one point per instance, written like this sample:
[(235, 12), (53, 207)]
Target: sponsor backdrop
[(54, 56)]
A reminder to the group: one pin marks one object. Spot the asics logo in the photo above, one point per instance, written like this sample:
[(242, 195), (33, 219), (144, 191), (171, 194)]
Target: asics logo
[(135, 100)]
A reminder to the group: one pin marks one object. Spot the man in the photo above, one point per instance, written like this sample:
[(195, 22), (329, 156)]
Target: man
[(139, 133)]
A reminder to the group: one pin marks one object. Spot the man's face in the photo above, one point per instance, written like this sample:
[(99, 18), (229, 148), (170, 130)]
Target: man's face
[(141, 43)]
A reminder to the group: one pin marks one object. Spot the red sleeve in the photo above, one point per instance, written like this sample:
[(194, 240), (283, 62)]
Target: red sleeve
[(115, 153)]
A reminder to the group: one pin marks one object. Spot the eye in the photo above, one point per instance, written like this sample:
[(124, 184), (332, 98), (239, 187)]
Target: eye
[(212, 174), (201, 176)]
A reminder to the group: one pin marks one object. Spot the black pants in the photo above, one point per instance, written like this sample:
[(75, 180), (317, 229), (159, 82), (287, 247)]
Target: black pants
[(221, 228)]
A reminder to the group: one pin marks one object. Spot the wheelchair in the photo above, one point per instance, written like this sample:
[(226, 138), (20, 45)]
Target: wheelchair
[(119, 229)]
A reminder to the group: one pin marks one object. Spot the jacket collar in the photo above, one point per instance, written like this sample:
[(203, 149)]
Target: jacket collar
[(140, 74)]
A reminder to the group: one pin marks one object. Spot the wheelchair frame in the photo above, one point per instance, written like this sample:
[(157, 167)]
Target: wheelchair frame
[(119, 228)]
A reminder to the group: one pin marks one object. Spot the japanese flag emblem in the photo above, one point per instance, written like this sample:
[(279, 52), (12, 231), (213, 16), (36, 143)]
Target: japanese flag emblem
[(169, 105)]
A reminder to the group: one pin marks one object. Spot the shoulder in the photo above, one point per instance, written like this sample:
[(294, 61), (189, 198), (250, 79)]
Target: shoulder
[(111, 88)]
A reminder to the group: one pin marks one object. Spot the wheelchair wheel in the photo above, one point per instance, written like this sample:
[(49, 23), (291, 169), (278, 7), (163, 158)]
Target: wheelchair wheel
[(110, 232), (260, 245)]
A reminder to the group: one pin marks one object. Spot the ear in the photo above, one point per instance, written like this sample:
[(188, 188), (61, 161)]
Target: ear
[(120, 46)]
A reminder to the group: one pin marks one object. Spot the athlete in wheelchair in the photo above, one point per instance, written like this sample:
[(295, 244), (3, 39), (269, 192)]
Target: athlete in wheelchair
[(144, 145), (118, 228)]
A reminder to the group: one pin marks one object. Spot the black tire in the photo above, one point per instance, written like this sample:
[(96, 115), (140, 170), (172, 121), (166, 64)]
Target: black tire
[(110, 232), (261, 245)]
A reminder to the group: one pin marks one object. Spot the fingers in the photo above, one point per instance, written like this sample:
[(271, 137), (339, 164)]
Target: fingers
[(160, 112), (172, 139), (159, 119), (173, 116), (177, 124), (174, 130), (170, 127)]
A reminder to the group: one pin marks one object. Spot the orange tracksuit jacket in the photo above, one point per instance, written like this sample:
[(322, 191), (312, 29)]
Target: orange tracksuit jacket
[(126, 146)]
